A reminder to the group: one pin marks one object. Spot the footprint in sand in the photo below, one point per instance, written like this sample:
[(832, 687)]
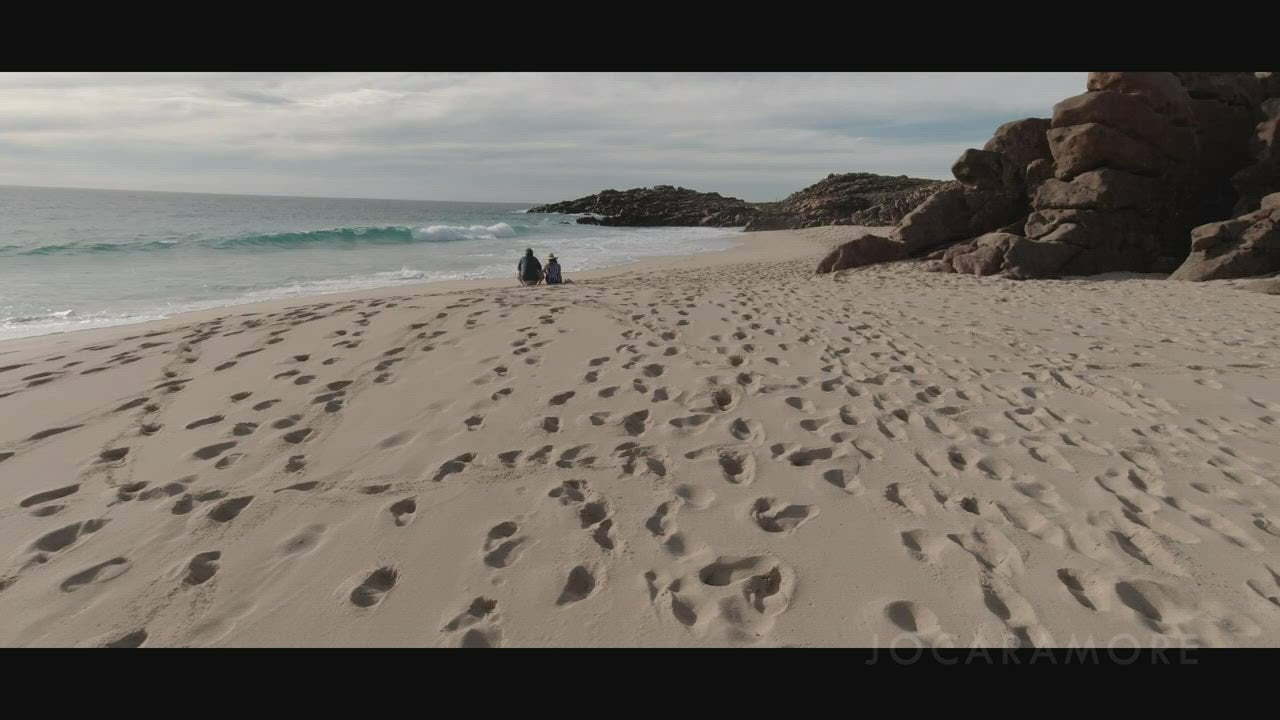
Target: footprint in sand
[(100, 573), (370, 592), (737, 466), (202, 567), (64, 536), (204, 421), (773, 517), (48, 495), (296, 436), (212, 451), (579, 586), (134, 639), (403, 511), (113, 455), (479, 620), (227, 510), (501, 548), (454, 466)]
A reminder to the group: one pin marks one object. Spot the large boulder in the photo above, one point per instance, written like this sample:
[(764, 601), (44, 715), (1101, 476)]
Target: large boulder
[(1129, 115), (1123, 156), (1021, 142), (1161, 91), (957, 213), (987, 170), (1102, 189), (1010, 254), (867, 249), (1132, 166), (1081, 148), (983, 255), (990, 194), (1240, 247)]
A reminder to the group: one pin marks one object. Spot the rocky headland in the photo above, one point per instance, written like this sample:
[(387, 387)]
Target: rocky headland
[(844, 199), (1145, 172)]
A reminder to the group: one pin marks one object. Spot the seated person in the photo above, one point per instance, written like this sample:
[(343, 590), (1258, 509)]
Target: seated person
[(529, 271), (553, 271)]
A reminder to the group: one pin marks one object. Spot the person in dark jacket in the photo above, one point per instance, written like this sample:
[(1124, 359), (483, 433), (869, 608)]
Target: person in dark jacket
[(529, 271), (553, 271)]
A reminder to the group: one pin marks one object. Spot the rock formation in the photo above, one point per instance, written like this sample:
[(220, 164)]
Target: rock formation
[(1243, 246), (660, 205), (990, 193), (1117, 180), (847, 199)]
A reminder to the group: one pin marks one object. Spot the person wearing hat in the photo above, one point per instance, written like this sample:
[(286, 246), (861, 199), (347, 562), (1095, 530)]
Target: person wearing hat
[(529, 271), (553, 270)]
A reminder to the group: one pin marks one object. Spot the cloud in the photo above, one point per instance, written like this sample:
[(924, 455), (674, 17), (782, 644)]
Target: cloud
[(499, 136)]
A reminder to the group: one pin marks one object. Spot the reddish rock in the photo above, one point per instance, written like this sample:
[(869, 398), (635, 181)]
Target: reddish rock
[(1081, 148), (1130, 116), (1240, 247), (1161, 91), (1103, 189), (986, 170), (865, 250), (1022, 142), (984, 255)]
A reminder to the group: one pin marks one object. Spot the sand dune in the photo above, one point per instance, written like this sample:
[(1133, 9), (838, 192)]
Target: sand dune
[(722, 450)]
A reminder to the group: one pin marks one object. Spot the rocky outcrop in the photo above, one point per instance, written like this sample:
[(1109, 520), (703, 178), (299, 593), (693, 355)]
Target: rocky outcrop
[(1262, 175), (847, 199), (867, 249), (1132, 166), (1244, 246), (661, 205), (1124, 154), (1248, 244), (990, 193)]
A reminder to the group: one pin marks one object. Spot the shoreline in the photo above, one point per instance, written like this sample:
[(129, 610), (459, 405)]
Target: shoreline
[(716, 450), (747, 247)]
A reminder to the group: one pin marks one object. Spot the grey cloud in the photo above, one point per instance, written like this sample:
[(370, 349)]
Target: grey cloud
[(498, 136)]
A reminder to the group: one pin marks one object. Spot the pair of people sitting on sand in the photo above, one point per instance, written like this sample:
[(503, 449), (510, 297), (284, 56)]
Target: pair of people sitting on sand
[(531, 272)]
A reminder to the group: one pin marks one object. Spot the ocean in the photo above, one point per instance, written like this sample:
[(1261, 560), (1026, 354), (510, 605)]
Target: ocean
[(73, 259)]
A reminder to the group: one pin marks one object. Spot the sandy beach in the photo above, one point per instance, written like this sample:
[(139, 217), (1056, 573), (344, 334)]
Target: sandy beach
[(716, 450)]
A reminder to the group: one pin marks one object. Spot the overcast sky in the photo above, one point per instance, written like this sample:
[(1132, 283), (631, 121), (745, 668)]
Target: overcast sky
[(502, 137)]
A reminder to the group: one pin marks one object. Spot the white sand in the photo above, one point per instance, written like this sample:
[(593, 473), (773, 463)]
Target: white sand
[(716, 450)]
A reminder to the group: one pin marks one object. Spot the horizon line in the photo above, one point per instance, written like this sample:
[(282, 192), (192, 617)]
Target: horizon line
[(270, 195)]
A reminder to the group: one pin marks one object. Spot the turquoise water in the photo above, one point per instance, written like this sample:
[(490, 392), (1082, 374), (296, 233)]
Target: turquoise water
[(72, 259)]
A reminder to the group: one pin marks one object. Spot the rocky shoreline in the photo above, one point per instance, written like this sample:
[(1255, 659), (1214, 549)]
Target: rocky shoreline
[(1167, 172), (844, 199), (1144, 172), (661, 205)]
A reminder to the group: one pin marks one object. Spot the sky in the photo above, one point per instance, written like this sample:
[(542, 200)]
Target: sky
[(518, 137)]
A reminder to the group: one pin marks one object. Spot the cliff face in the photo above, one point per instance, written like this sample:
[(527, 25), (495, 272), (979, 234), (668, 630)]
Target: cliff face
[(1124, 177)]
